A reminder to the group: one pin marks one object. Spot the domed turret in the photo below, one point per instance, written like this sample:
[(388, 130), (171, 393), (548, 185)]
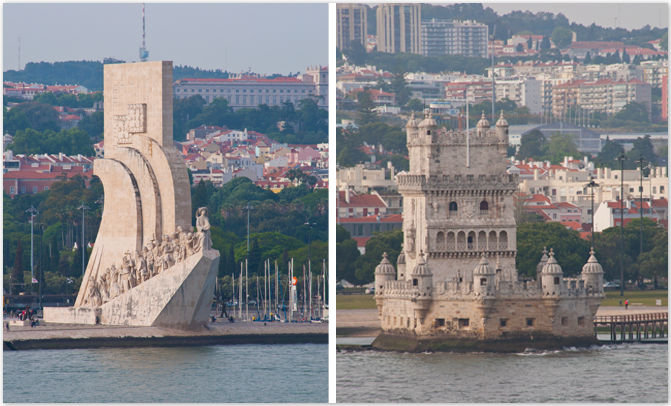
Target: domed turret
[(383, 272), (400, 266), (483, 277), (428, 127), (482, 126), (502, 129), (539, 267), (422, 278), (411, 127), (422, 285), (592, 274), (552, 276)]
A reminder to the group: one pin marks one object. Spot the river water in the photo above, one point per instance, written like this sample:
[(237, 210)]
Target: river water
[(617, 373), (215, 374)]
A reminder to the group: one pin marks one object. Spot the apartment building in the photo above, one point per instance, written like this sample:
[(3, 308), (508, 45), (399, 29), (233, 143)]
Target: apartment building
[(250, 91), (563, 184), (525, 91), (653, 71), (398, 28), (365, 179), (453, 37), (604, 95), (351, 24)]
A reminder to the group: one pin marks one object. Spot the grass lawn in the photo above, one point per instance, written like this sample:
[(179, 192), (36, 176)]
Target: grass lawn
[(361, 301), (647, 297)]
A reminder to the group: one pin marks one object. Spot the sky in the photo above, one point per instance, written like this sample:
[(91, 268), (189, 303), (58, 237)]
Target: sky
[(268, 38), (629, 15)]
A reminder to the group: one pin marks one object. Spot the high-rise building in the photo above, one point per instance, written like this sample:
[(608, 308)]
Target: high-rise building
[(352, 24), (398, 28), (452, 37)]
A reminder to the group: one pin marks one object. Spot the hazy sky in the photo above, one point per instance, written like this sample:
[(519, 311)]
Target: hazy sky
[(629, 15), (269, 38)]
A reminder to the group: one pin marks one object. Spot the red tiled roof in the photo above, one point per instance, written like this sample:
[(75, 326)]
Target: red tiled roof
[(246, 78), (361, 241), (360, 200), (391, 218)]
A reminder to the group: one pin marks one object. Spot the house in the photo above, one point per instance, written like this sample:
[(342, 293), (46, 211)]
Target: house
[(351, 204)]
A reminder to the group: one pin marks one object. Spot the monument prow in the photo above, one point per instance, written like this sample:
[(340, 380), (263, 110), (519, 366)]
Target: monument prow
[(169, 280)]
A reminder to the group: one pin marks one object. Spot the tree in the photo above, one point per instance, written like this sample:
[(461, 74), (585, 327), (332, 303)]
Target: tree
[(562, 37), (561, 145), (530, 43), (519, 47), (415, 105), (389, 242), (545, 43), (34, 115), (94, 125), (633, 111), (356, 53), (609, 151), (587, 60), (571, 251), (664, 42), (365, 106), (17, 271), (399, 86), (532, 145)]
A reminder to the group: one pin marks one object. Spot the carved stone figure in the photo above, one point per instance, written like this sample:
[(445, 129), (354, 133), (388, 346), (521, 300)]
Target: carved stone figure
[(126, 266), (178, 252), (203, 226), (166, 248), (190, 240), (149, 257), (115, 289), (140, 267), (158, 255)]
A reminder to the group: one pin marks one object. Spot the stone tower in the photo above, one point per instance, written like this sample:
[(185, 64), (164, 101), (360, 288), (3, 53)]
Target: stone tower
[(458, 198)]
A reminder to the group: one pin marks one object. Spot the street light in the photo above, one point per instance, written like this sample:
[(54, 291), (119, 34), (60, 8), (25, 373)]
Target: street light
[(592, 185), (83, 208), (641, 161), (33, 211), (621, 158)]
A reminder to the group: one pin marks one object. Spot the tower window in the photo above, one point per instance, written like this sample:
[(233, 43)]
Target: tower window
[(415, 282), (453, 207), (483, 281), (556, 280), (428, 132)]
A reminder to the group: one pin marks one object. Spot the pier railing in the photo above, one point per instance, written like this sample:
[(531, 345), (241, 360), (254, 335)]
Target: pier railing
[(635, 326)]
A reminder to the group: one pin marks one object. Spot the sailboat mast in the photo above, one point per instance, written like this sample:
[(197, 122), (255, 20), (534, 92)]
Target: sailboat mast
[(240, 294), (246, 292)]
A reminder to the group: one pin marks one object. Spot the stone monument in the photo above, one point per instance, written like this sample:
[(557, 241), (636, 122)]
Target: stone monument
[(146, 267), (455, 285)]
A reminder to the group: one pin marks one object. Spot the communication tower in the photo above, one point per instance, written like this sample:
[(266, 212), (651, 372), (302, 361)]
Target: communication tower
[(144, 54)]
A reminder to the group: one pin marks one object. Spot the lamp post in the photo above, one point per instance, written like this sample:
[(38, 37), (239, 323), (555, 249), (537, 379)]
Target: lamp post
[(83, 208), (33, 211), (640, 162), (592, 185), (621, 158), (649, 167)]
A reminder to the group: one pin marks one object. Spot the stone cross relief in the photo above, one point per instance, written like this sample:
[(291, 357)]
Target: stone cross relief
[(135, 122)]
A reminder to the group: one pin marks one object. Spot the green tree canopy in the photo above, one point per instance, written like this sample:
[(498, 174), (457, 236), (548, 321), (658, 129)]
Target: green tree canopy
[(562, 37), (532, 145), (365, 106), (571, 251)]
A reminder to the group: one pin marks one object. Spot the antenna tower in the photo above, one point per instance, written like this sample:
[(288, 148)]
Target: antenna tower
[(143, 50)]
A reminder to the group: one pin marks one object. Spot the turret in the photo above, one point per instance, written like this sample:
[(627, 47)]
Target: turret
[(482, 126), (502, 135), (422, 286), (411, 127), (383, 272), (592, 274), (552, 277), (539, 267), (400, 266), (483, 278), (428, 128)]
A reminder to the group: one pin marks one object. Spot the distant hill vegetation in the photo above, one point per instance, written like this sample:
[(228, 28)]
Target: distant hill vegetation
[(527, 22), (90, 73)]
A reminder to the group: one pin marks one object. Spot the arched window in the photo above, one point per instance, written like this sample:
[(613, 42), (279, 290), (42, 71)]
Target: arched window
[(484, 208), (483, 281), (471, 240), (503, 240), (453, 208), (556, 280), (428, 132), (450, 241), (440, 241)]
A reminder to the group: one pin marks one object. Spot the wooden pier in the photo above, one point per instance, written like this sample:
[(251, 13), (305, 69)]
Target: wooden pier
[(635, 327)]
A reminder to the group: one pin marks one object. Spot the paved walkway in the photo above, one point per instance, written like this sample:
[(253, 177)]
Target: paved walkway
[(255, 331)]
